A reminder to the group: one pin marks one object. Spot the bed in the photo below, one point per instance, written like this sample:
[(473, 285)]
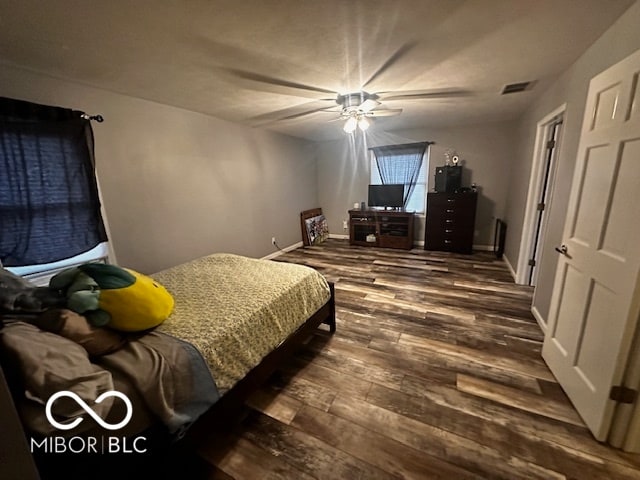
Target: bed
[(269, 298), (235, 319)]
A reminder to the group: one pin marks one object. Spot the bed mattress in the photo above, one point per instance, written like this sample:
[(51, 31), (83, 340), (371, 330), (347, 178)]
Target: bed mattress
[(235, 310)]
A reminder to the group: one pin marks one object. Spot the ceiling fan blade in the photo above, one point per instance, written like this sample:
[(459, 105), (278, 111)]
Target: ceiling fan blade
[(402, 51), (302, 114), (423, 94), (257, 77), (385, 112), (334, 109), (286, 114), (368, 105)]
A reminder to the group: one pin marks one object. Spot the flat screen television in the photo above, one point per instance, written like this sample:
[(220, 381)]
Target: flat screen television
[(389, 195)]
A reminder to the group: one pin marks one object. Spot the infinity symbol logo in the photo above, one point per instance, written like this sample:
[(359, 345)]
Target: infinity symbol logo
[(87, 408)]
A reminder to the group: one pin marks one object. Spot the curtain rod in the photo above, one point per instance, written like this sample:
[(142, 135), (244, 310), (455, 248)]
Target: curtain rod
[(98, 118), (401, 145)]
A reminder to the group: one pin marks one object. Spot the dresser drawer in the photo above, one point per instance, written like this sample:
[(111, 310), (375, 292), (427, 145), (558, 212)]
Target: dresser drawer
[(450, 219), (444, 200), (453, 233), (448, 243)]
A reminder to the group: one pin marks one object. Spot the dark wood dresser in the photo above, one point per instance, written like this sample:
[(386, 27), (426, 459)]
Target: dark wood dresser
[(450, 221)]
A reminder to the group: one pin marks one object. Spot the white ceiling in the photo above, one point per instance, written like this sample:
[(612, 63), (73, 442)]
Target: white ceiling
[(212, 56)]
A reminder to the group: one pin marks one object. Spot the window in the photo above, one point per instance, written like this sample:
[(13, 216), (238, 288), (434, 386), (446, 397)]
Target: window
[(407, 164), (49, 205)]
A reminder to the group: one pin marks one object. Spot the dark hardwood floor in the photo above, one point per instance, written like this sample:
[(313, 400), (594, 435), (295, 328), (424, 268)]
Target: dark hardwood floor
[(434, 372)]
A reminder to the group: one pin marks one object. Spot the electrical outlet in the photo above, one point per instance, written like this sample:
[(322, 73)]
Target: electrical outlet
[(344, 224), (273, 241)]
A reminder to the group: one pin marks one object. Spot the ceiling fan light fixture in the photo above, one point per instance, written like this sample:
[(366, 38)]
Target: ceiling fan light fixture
[(363, 123), (350, 125)]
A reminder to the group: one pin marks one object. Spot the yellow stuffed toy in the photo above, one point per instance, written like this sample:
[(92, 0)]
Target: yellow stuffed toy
[(112, 296)]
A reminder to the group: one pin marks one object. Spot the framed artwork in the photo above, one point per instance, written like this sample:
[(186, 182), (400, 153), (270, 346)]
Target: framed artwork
[(317, 229), (314, 227)]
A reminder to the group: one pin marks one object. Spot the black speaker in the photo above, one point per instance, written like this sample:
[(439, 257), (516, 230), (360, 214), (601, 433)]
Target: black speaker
[(448, 178)]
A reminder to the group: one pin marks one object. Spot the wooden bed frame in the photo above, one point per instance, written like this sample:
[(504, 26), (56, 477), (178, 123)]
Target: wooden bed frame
[(225, 412)]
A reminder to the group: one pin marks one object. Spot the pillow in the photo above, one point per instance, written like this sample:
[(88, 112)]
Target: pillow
[(48, 364), (69, 324), (317, 229)]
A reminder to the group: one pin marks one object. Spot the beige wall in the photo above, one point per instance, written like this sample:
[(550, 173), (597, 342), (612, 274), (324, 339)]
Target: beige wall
[(486, 151), (177, 184), (622, 39)]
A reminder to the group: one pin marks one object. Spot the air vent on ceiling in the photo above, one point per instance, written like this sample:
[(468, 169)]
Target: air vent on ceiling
[(516, 87)]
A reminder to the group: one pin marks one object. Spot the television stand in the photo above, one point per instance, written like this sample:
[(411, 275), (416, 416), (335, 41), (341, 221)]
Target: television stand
[(381, 228)]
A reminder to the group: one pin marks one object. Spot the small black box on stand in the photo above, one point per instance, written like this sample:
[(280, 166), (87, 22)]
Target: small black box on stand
[(448, 178)]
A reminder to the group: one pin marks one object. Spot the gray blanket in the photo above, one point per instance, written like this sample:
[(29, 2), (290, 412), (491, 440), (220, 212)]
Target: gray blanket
[(170, 375)]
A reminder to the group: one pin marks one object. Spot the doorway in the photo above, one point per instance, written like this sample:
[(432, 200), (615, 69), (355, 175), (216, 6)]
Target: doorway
[(547, 146), (549, 154)]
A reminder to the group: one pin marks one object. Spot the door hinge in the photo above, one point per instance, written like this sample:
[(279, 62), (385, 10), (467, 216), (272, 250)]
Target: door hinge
[(532, 263), (551, 143), (541, 206), (623, 394)]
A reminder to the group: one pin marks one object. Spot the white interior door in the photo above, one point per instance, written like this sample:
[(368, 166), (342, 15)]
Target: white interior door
[(595, 304)]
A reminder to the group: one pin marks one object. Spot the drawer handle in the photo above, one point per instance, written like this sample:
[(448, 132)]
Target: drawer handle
[(451, 200), (450, 210), (447, 241), (448, 221), (448, 231)]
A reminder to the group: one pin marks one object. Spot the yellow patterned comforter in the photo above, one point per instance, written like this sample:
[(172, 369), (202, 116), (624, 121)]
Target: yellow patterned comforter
[(235, 310)]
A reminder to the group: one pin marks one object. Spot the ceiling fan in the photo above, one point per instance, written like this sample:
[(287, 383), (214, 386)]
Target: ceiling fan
[(355, 108)]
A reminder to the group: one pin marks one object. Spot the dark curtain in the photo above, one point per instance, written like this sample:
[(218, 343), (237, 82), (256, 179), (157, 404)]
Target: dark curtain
[(49, 207), (401, 164)]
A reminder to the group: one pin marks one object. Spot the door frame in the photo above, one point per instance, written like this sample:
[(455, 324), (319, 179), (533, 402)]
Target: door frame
[(625, 426), (538, 165), (553, 133)]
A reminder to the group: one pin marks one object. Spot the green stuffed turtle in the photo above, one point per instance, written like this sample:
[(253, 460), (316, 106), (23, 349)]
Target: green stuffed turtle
[(112, 296)]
